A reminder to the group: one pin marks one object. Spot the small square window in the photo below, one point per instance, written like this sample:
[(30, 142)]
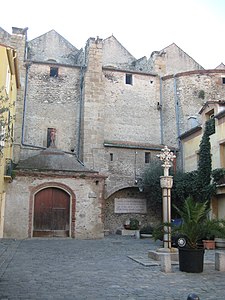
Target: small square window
[(129, 79), (54, 72), (147, 157)]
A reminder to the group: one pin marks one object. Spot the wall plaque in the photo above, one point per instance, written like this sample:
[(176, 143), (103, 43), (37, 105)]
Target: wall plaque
[(130, 205)]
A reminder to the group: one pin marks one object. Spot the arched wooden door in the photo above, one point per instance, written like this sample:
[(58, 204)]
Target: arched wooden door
[(51, 213)]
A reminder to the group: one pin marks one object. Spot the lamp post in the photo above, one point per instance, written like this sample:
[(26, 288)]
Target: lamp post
[(166, 183)]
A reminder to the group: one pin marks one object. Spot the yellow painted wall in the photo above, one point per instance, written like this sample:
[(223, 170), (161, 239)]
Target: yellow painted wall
[(190, 152), (8, 93)]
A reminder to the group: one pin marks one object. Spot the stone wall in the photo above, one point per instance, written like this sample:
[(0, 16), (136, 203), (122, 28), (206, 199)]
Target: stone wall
[(182, 99), (128, 107), (172, 60), (93, 111), (56, 102), (52, 46), (114, 221), (114, 53)]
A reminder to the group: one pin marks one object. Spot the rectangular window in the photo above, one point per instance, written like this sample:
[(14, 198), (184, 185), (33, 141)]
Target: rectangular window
[(129, 79), (51, 134), (223, 80), (147, 157), (111, 156), (54, 72)]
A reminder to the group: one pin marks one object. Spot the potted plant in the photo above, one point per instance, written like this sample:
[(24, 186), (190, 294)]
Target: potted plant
[(211, 229), (132, 224), (191, 251)]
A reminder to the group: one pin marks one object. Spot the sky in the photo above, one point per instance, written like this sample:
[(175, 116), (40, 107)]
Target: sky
[(141, 26)]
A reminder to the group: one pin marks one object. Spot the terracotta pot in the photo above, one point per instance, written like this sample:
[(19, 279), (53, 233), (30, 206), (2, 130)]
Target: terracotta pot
[(209, 244), (126, 226)]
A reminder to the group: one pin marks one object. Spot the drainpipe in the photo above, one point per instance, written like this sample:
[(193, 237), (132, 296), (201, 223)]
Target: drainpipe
[(80, 111), (177, 112), (161, 113)]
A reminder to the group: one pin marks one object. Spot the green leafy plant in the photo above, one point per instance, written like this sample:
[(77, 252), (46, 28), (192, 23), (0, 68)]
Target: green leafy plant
[(218, 175), (196, 225), (151, 182), (134, 224), (148, 229), (213, 228), (201, 94)]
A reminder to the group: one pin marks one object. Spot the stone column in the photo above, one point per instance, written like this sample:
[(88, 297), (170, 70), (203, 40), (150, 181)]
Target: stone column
[(166, 183)]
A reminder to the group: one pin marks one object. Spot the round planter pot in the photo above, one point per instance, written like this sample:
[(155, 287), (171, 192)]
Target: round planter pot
[(220, 243), (191, 260), (209, 244)]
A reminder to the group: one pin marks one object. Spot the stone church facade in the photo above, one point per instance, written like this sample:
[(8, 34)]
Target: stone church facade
[(89, 121)]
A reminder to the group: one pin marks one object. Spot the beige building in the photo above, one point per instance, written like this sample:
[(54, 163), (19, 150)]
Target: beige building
[(9, 83), (108, 112)]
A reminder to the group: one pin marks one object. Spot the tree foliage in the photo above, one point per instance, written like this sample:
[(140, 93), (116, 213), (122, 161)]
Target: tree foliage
[(151, 181)]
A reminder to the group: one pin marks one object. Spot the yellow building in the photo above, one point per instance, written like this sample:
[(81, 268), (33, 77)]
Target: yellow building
[(9, 83), (191, 141)]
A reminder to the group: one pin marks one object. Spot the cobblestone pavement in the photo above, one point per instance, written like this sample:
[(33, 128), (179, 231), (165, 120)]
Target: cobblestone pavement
[(97, 270)]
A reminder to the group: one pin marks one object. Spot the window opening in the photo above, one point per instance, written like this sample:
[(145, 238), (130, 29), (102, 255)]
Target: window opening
[(111, 156), (51, 136), (223, 80), (54, 72), (147, 157), (129, 79)]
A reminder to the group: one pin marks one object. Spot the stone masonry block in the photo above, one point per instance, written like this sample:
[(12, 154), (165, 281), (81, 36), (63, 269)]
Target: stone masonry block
[(220, 261), (165, 259)]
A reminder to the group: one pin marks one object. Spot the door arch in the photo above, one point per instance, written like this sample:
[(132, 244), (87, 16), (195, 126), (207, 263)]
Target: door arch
[(51, 213)]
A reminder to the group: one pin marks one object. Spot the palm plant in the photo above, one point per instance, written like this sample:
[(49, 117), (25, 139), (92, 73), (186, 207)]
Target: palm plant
[(194, 216)]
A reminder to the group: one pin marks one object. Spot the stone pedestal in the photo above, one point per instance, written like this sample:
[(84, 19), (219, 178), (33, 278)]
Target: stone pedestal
[(220, 261), (157, 254), (129, 232), (165, 259)]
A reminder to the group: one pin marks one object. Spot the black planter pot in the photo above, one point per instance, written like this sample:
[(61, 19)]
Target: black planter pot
[(191, 260)]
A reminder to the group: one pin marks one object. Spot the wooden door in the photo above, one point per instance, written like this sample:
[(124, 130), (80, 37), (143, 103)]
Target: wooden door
[(51, 213)]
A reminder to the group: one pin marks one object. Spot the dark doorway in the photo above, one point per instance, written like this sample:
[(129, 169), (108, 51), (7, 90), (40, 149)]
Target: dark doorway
[(51, 213)]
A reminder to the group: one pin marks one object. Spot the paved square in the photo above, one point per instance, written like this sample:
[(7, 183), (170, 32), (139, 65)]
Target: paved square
[(98, 269)]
